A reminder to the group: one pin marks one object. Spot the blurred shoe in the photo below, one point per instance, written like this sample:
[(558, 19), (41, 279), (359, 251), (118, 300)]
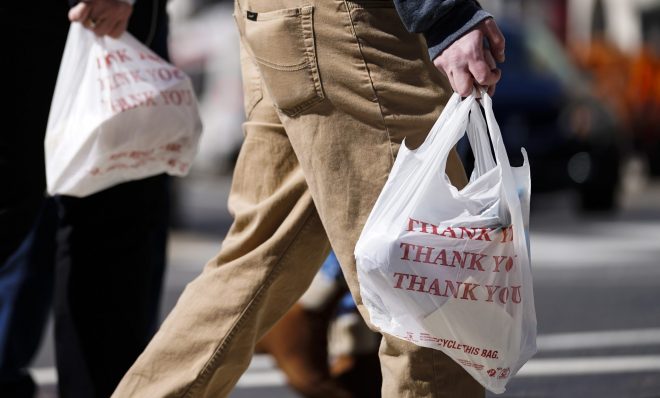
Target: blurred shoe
[(298, 343)]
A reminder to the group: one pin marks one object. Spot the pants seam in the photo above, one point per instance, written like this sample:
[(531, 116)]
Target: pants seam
[(236, 327), (371, 82)]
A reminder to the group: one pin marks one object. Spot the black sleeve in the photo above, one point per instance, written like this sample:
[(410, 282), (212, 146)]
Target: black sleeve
[(441, 21)]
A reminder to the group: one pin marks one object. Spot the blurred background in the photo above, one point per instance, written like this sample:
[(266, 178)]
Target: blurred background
[(581, 92)]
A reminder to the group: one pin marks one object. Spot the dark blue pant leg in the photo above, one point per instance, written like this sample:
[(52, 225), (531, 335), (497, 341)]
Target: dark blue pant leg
[(26, 288)]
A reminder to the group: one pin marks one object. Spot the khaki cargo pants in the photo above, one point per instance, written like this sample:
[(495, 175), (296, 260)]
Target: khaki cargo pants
[(331, 89)]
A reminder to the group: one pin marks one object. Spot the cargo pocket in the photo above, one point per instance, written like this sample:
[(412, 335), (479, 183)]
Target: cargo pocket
[(282, 44)]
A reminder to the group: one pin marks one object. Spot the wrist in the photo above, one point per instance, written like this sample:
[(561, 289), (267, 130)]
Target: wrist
[(463, 18)]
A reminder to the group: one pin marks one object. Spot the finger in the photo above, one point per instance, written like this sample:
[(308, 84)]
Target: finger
[(491, 90), (450, 77), (126, 9), (118, 29), (80, 12), (495, 39), (463, 82), (490, 61), (482, 74), (116, 19), (103, 27)]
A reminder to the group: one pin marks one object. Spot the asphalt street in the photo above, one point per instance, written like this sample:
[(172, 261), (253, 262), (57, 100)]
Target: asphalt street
[(597, 292)]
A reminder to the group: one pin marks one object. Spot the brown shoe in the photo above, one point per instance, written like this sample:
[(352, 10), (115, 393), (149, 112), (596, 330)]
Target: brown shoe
[(299, 345)]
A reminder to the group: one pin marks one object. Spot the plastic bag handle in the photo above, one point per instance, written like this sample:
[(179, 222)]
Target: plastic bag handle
[(508, 181), (477, 132), (512, 200), (455, 125)]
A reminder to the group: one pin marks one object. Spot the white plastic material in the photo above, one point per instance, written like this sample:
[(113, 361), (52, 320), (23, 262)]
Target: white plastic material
[(119, 113), (449, 269)]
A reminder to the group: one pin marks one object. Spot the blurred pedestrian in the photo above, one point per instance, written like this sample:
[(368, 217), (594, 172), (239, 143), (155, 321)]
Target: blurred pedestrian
[(32, 52), (331, 90), (103, 256), (322, 345)]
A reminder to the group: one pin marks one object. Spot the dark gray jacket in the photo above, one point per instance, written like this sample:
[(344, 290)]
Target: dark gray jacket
[(441, 21)]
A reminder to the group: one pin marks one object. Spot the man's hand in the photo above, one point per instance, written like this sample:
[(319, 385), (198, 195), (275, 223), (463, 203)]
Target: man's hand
[(103, 17), (468, 62)]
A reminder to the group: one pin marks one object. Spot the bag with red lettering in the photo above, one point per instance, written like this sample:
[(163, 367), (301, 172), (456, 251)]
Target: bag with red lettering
[(449, 269), (119, 113)]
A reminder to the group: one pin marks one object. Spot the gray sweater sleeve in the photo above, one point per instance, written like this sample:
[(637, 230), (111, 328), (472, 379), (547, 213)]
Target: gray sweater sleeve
[(441, 21)]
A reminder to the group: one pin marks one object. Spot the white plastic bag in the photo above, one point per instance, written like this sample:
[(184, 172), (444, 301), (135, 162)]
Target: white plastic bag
[(119, 113), (449, 269)]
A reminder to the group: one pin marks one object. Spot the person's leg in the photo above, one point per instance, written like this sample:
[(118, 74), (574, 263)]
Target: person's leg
[(30, 79), (30, 65), (110, 262), (347, 93), (379, 87), (270, 255), (26, 287)]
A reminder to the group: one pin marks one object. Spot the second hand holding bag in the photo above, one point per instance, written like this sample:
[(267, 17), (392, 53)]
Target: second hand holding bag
[(119, 113)]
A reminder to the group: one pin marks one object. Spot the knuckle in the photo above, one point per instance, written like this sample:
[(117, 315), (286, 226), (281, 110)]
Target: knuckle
[(481, 78), (481, 73)]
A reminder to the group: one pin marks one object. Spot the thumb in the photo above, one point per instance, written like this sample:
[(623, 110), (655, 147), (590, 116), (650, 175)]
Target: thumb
[(80, 12)]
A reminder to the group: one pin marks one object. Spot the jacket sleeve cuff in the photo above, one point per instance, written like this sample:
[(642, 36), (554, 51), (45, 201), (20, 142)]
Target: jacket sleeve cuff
[(454, 25)]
